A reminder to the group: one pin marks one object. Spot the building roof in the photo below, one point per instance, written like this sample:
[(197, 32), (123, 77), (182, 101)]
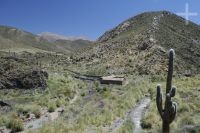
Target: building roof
[(114, 78)]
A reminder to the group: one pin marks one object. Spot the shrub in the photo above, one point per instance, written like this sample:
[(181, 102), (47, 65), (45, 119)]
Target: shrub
[(16, 125), (82, 94), (26, 109), (148, 120), (51, 107), (23, 109), (146, 125), (3, 120), (58, 103), (127, 127), (37, 112), (104, 89), (184, 108), (98, 89), (187, 120), (44, 101)]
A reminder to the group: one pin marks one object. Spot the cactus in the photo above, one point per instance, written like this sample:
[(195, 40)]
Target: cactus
[(169, 112)]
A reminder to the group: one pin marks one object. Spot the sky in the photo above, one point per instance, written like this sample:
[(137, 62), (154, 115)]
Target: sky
[(88, 18)]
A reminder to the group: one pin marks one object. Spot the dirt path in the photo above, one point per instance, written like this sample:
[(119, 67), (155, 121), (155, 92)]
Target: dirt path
[(135, 114)]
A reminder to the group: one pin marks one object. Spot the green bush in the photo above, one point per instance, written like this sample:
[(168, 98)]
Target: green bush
[(149, 120), (23, 109), (58, 103), (3, 120), (98, 89), (16, 125), (146, 125), (184, 108), (51, 107), (127, 127), (104, 89), (26, 109), (83, 94)]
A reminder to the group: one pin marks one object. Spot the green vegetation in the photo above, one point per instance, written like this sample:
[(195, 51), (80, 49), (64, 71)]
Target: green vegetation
[(16, 125), (51, 107), (100, 105), (127, 127), (100, 108), (97, 106)]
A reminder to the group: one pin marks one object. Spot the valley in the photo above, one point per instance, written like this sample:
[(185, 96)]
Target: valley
[(39, 83)]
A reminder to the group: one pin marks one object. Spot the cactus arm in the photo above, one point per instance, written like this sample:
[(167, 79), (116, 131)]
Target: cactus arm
[(170, 71), (174, 111), (168, 104), (159, 100), (173, 91)]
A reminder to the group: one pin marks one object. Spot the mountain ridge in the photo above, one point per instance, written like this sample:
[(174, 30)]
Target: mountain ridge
[(16, 39), (139, 45), (52, 37)]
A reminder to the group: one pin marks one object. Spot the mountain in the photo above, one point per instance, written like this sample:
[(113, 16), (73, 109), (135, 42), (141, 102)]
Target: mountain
[(13, 38), (52, 37), (19, 40), (70, 43), (140, 45)]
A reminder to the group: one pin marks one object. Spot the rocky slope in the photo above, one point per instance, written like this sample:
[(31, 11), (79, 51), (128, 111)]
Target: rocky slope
[(20, 73), (139, 45)]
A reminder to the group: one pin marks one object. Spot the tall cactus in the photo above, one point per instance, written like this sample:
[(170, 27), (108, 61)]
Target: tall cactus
[(169, 112)]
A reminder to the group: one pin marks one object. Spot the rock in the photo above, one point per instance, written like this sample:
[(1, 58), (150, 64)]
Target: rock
[(2, 103), (31, 116), (61, 109), (4, 107), (4, 130), (53, 116), (143, 46)]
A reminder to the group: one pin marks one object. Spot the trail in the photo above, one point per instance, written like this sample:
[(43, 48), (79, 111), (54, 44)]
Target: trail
[(135, 114)]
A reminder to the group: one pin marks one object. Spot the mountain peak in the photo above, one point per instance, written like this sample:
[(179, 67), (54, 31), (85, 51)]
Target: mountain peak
[(135, 24)]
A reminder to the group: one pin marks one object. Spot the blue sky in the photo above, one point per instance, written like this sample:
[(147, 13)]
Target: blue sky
[(89, 18)]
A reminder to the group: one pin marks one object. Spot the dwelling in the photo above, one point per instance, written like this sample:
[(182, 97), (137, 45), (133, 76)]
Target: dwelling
[(113, 79)]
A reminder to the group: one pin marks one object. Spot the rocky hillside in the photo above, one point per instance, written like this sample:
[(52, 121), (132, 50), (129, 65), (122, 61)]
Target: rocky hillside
[(139, 45), (21, 73)]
